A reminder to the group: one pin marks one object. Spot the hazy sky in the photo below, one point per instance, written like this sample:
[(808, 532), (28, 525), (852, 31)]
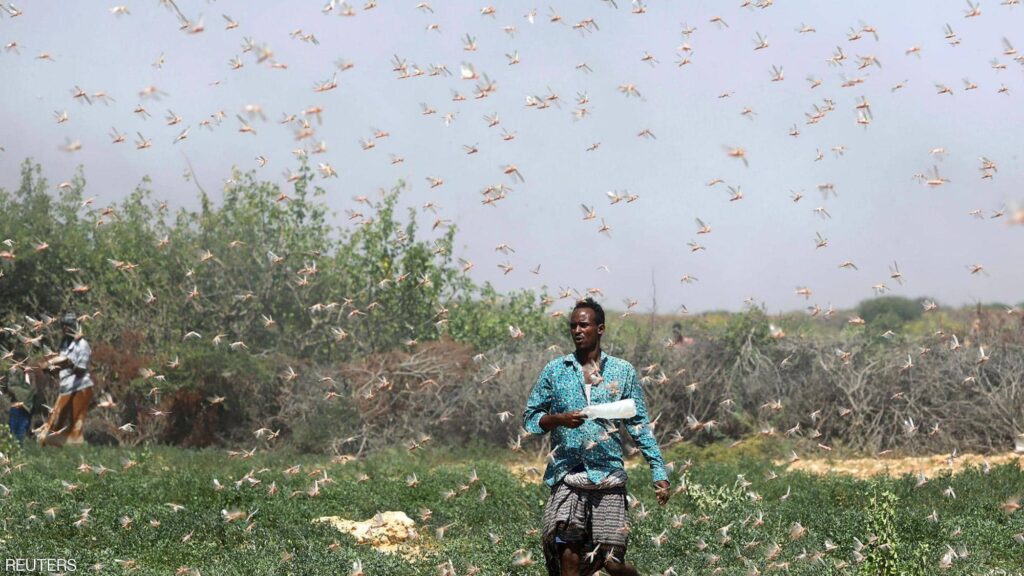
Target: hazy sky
[(762, 246)]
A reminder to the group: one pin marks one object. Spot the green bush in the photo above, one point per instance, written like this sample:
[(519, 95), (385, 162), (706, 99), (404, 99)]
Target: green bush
[(749, 328), (9, 445), (895, 309), (484, 318), (883, 555), (262, 271)]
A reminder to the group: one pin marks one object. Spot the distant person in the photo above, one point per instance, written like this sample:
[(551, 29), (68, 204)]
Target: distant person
[(67, 419), (20, 411), (678, 340), (584, 525)]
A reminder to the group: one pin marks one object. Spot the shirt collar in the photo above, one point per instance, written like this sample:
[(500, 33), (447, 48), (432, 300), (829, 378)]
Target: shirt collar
[(570, 359)]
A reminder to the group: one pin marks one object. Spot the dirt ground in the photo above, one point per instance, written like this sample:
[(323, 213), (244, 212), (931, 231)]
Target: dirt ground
[(530, 472), (896, 467), (526, 471)]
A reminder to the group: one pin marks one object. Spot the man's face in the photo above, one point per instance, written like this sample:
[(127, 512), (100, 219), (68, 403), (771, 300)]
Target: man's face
[(584, 329)]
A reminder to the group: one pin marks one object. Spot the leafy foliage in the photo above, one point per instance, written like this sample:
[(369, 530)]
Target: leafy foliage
[(895, 310), (749, 328), (9, 445), (264, 268)]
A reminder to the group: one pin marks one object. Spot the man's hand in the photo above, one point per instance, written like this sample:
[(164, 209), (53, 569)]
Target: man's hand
[(568, 419), (661, 491), (573, 419)]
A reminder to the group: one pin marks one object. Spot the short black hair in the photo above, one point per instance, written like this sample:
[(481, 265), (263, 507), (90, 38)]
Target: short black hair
[(589, 302)]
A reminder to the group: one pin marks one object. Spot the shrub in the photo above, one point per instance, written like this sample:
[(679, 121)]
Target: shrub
[(896, 309), (746, 329)]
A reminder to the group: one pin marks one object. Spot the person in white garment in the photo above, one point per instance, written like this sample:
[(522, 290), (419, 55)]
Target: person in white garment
[(67, 420)]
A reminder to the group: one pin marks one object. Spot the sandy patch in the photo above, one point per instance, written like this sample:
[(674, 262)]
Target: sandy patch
[(896, 467), (526, 471), (531, 471), (389, 532)]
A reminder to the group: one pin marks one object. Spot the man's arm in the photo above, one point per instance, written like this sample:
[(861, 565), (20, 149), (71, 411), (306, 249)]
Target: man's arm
[(537, 418), (538, 405), (81, 364), (639, 428)]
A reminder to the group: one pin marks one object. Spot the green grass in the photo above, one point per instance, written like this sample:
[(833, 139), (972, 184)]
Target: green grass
[(834, 508)]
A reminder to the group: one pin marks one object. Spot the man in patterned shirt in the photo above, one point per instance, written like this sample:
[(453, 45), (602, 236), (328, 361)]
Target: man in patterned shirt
[(585, 518)]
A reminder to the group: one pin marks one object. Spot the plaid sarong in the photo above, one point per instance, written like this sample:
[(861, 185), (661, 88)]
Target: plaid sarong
[(589, 518)]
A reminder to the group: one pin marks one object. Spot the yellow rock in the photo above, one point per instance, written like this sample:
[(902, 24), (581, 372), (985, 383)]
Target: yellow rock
[(387, 531)]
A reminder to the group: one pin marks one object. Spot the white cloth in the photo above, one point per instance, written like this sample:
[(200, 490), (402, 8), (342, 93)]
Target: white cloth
[(581, 481), (79, 353)]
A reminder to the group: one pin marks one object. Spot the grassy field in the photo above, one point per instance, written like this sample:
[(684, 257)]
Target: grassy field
[(131, 526)]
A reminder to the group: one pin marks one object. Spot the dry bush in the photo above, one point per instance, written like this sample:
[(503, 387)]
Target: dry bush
[(193, 422), (435, 391), (117, 366), (862, 402), (865, 402), (851, 391)]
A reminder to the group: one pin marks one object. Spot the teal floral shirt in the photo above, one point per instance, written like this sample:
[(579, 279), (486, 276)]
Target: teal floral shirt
[(596, 445)]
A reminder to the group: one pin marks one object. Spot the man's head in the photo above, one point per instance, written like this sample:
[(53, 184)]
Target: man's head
[(69, 323), (586, 324)]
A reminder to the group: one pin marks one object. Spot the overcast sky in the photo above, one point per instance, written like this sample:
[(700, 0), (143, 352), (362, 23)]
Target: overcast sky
[(763, 245)]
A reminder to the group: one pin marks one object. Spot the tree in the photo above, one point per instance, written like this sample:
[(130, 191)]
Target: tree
[(898, 307)]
